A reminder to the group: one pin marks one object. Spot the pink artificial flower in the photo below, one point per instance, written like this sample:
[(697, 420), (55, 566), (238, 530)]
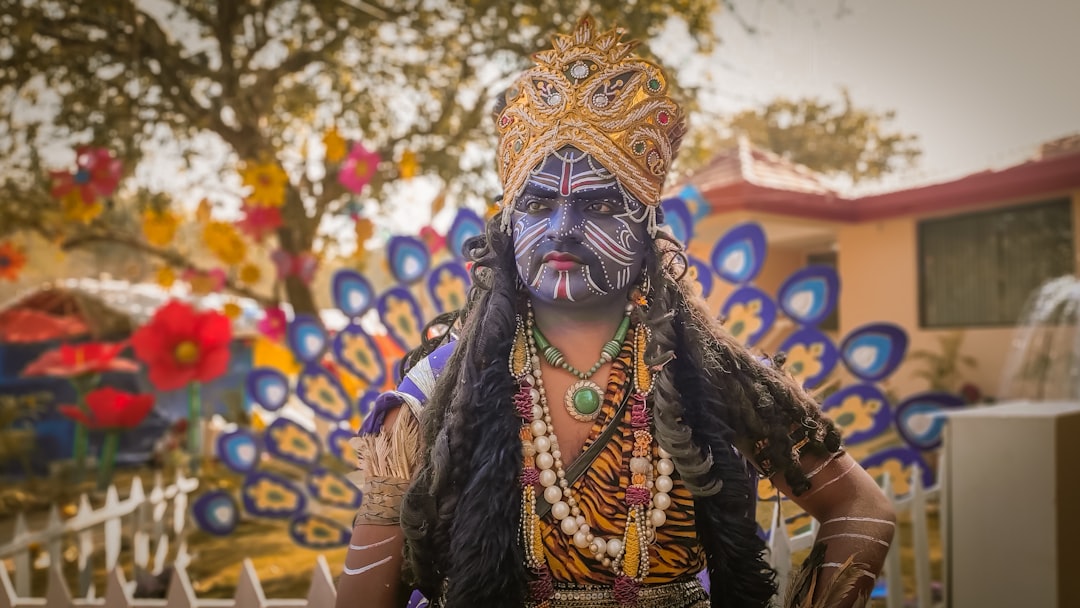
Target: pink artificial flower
[(273, 324), (358, 169)]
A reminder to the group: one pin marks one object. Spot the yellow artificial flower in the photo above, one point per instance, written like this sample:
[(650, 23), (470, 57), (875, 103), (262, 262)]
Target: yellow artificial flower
[(408, 166), (159, 227), (166, 277), (204, 211), (854, 414), (267, 181), (225, 242), (78, 210), (231, 310), (364, 230), (438, 204), (336, 146), (250, 274)]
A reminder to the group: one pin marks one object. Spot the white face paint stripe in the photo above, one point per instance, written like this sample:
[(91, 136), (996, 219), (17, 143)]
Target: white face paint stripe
[(372, 545), (607, 245), (539, 276), (354, 571), (592, 283), (529, 238)]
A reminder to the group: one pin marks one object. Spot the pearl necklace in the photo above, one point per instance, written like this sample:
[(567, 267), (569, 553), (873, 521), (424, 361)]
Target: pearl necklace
[(647, 497)]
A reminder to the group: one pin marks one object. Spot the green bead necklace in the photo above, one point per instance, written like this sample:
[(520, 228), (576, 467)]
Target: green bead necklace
[(583, 398)]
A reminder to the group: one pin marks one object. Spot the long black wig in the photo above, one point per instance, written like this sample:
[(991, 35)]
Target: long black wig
[(460, 515)]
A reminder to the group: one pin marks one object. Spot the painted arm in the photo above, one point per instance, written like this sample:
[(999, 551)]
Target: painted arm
[(372, 573), (857, 523)]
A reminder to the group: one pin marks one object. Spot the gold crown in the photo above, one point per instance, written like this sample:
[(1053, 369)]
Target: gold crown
[(591, 92)]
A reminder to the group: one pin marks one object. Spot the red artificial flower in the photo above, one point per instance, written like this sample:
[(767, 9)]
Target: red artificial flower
[(110, 409), (77, 359), (97, 175), (258, 222), (432, 239), (182, 345)]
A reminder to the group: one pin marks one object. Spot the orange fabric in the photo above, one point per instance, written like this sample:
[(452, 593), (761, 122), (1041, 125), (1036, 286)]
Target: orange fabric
[(600, 493)]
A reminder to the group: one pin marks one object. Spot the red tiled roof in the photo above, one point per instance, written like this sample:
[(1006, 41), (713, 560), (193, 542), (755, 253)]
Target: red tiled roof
[(746, 178)]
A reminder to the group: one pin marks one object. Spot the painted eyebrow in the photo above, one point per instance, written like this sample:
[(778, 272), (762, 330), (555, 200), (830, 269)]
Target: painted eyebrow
[(535, 189), (611, 194)]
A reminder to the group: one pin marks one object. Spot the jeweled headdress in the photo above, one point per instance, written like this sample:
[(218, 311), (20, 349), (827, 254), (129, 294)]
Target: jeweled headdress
[(590, 91)]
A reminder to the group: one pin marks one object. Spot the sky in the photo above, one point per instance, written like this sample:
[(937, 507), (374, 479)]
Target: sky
[(981, 82)]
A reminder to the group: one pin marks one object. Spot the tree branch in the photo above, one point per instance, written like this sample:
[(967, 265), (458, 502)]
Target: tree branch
[(168, 256)]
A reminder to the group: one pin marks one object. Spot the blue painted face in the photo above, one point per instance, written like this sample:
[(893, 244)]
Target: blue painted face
[(578, 236)]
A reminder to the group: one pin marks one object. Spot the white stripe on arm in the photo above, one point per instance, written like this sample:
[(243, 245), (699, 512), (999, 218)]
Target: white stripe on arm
[(362, 569)]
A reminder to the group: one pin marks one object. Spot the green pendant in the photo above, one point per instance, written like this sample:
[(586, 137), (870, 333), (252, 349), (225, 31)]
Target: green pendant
[(586, 400), (583, 400)]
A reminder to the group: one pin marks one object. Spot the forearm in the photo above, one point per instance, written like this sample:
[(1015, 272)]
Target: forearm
[(372, 574), (857, 525)]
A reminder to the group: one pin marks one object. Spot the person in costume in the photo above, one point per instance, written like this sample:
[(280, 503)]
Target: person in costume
[(585, 433)]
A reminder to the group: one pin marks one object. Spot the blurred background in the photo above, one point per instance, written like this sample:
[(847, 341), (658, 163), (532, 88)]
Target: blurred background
[(886, 192)]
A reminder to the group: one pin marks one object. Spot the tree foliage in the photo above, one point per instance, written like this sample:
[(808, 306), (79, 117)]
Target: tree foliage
[(224, 83), (832, 138)]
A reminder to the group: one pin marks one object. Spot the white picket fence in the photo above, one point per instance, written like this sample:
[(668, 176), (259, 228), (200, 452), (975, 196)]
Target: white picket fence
[(149, 526), (149, 511), (781, 546)]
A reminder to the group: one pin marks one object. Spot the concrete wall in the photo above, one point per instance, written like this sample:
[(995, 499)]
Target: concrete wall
[(878, 267)]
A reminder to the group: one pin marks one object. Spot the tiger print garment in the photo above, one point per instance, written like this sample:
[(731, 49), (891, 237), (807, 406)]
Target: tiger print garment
[(600, 490)]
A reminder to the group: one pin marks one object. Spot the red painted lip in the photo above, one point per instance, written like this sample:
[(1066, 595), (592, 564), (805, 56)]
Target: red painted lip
[(559, 256), (560, 261)]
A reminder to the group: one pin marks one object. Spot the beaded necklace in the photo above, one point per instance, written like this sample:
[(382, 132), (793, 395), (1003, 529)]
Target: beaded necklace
[(582, 399), (646, 497)]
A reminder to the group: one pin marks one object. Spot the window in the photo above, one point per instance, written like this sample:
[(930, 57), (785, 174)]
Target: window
[(981, 268), (826, 258)]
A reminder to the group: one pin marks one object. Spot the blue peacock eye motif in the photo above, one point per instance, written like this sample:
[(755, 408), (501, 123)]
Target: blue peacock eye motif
[(749, 314), (861, 412), (318, 532), (467, 224), (322, 392), (307, 338), (809, 295), (919, 418), (267, 387), (448, 286), (739, 255), (239, 450), (216, 513), (272, 496), (811, 356), (355, 350), (409, 259), (872, 352), (292, 443), (334, 490), (353, 293), (400, 314), (678, 218)]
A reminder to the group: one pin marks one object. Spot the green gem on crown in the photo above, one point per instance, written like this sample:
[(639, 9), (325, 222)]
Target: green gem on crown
[(586, 400)]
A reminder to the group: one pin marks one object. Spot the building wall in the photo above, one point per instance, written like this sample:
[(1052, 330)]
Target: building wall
[(878, 266)]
